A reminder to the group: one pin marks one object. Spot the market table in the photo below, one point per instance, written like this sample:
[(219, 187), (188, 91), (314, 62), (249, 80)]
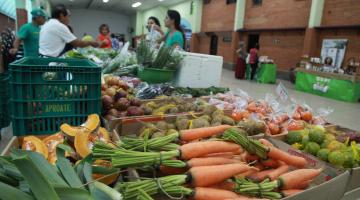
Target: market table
[(266, 73), (335, 86)]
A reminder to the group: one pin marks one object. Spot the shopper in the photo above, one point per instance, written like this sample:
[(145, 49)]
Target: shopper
[(115, 43), (104, 36), (254, 58), (175, 36), (29, 34), (55, 34), (154, 36), (241, 62)]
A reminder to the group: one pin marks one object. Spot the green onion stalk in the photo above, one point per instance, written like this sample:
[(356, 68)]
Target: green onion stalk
[(122, 158), (155, 144), (170, 186), (239, 136), (265, 189)]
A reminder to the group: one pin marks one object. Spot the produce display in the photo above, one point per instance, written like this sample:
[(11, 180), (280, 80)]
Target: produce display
[(328, 144), (190, 168)]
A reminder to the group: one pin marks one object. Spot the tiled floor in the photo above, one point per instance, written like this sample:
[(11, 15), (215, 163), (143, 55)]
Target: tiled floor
[(345, 114)]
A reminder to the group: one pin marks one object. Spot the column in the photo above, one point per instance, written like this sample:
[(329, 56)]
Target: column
[(21, 13)]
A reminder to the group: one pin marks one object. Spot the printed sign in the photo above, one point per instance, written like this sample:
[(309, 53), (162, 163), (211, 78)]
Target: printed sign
[(322, 84)]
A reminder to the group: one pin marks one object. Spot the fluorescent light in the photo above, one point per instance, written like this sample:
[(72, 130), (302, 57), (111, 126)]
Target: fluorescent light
[(105, 1), (137, 4), (161, 0)]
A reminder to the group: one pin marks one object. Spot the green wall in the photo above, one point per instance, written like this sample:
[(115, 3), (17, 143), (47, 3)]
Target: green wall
[(160, 12)]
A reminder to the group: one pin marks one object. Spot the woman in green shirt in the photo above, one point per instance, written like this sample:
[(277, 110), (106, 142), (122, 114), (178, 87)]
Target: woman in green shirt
[(175, 36)]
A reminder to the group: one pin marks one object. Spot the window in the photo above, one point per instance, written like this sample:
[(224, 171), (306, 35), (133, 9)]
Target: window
[(257, 2), (230, 1)]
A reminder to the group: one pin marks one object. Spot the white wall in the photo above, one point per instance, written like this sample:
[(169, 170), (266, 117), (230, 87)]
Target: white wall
[(88, 21)]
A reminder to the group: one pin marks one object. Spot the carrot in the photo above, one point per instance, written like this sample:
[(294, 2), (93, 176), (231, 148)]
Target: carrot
[(247, 173), (291, 192), (296, 178), (246, 156), (266, 142), (197, 149), (200, 133), (277, 154), (195, 162), (171, 170), (210, 175), (270, 163), (278, 171), (241, 197), (303, 185), (202, 193), (229, 155), (225, 186), (261, 175)]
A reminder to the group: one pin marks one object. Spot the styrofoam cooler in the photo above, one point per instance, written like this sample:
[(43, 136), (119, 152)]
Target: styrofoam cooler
[(199, 71)]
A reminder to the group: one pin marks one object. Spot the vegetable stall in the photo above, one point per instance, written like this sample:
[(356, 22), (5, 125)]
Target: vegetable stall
[(100, 131)]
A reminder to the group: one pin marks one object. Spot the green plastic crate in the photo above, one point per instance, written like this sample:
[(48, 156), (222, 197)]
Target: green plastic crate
[(153, 75), (46, 92), (4, 100)]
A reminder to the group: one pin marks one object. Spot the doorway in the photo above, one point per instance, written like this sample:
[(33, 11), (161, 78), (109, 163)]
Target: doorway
[(213, 44), (253, 39)]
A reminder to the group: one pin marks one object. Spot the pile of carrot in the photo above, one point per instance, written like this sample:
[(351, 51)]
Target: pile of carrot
[(232, 166)]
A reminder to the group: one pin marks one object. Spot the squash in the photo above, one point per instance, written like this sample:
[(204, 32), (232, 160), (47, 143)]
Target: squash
[(107, 177), (32, 143), (103, 135), (70, 131), (51, 143), (82, 143), (92, 123)]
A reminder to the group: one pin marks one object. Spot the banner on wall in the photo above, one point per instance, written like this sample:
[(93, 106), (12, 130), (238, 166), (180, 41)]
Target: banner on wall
[(334, 49)]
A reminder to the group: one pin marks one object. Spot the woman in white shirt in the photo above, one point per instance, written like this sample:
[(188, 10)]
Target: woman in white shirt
[(55, 34), (154, 36)]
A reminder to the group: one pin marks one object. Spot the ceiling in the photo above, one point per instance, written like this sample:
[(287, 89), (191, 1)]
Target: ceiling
[(122, 6)]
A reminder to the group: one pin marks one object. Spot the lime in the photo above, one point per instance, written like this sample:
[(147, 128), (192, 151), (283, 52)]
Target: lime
[(305, 140), (312, 148), (329, 136), (316, 135), (325, 143), (336, 158), (294, 137), (323, 154)]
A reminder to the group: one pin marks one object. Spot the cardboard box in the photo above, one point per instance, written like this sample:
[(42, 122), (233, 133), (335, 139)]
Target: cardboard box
[(330, 185)]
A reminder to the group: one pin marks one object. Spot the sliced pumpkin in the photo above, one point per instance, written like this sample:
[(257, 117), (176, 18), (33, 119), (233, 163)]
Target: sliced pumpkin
[(103, 135), (83, 143), (32, 143), (51, 143), (92, 123), (71, 131)]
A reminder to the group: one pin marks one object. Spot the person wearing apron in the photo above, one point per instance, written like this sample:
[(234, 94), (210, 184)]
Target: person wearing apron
[(55, 34)]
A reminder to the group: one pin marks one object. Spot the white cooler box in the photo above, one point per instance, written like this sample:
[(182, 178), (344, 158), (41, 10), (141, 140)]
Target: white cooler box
[(199, 71)]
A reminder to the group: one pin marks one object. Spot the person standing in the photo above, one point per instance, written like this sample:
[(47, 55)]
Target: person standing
[(241, 62), (55, 34), (175, 36), (153, 36), (104, 37), (29, 34), (254, 60)]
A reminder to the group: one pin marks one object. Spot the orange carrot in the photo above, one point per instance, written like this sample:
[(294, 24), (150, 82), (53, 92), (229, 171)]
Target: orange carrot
[(200, 133), (210, 175), (303, 185), (278, 171), (291, 192), (246, 156), (228, 155), (259, 166), (266, 142), (278, 154), (241, 197), (261, 175), (294, 179), (197, 149), (202, 193), (247, 173), (225, 186), (195, 162), (270, 163)]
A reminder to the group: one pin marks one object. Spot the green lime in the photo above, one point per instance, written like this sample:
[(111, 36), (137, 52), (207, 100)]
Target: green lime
[(305, 140), (316, 135), (330, 137), (323, 154), (336, 145), (336, 158), (312, 148), (294, 137)]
